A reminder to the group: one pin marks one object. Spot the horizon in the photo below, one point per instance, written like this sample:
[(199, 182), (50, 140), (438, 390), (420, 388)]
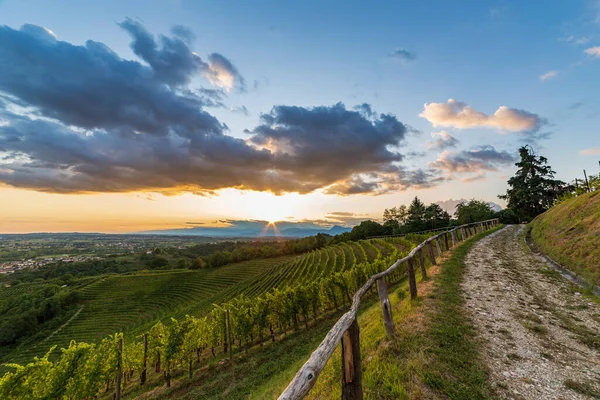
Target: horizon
[(123, 118)]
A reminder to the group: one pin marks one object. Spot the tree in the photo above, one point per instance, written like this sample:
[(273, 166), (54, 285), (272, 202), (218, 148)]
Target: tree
[(399, 214), (367, 229), (473, 211), (416, 216), (436, 216), (198, 263), (533, 189)]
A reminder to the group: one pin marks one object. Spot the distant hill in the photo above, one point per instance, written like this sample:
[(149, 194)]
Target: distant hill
[(569, 233), (254, 229)]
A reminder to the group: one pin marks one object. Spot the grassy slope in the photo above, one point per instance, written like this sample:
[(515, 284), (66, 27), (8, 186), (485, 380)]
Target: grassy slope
[(570, 234), (433, 356)]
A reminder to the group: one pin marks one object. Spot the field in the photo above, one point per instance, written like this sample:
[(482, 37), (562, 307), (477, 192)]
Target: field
[(570, 234), (132, 303)]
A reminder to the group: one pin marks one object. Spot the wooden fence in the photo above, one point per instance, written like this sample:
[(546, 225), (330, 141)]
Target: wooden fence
[(346, 331)]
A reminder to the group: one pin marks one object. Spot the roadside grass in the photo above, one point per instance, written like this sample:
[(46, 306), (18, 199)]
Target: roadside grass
[(434, 353), (570, 234)]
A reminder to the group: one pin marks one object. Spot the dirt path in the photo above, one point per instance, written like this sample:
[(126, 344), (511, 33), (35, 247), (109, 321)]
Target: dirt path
[(540, 337)]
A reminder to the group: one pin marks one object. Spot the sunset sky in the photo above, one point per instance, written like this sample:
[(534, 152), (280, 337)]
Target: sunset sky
[(122, 116)]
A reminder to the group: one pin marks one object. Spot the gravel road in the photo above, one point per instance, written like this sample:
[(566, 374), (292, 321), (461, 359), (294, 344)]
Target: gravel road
[(540, 337)]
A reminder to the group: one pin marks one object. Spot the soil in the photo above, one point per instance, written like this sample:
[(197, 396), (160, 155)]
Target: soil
[(539, 334)]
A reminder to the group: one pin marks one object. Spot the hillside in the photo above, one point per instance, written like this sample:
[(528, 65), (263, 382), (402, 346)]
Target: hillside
[(570, 234), (132, 303)]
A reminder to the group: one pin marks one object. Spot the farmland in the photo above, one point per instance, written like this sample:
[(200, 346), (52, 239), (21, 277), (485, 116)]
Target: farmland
[(133, 302)]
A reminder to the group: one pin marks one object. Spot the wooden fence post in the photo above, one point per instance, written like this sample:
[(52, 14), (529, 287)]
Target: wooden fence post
[(412, 283), (386, 308), (144, 370), (351, 372), (422, 264), (437, 246), (119, 369), (453, 237), (446, 241), (431, 255), (228, 333)]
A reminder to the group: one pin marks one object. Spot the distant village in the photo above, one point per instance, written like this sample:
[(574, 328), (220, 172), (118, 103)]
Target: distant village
[(35, 263)]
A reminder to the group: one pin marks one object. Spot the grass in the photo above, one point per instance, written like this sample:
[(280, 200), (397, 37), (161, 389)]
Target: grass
[(570, 234), (434, 354)]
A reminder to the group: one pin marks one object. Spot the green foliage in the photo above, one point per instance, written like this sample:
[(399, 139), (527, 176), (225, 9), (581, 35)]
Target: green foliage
[(473, 211), (533, 189), (305, 291), (30, 310)]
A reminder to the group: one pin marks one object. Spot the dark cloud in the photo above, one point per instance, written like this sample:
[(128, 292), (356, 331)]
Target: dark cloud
[(442, 140), (79, 119), (184, 33), (171, 60), (475, 160), (403, 55), (223, 73)]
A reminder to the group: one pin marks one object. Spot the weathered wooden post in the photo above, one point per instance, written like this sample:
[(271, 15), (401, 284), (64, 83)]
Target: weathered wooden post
[(412, 283), (422, 264), (228, 333), (453, 237), (437, 246), (431, 255), (386, 308), (144, 371), (351, 372), (446, 241), (119, 369)]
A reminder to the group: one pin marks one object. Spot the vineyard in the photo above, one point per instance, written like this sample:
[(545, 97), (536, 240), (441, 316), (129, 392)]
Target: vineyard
[(183, 317)]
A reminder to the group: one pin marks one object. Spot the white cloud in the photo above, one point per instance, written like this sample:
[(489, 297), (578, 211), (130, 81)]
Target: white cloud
[(590, 152), (593, 51), (460, 115), (549, 75)]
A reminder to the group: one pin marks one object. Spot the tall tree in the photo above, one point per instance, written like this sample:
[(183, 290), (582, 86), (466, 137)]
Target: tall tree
[(473, 211), (416, 215), (533, 189)]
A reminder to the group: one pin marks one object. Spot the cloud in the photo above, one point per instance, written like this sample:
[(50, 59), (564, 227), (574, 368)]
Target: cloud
[(442, 140), (459, 115), (345, 218), (173, 61), (549, 75), (577, 40), (222, 73), (590, 152), (240, 110), (81, 119), (475, 160), (593, 51), (403, 55)]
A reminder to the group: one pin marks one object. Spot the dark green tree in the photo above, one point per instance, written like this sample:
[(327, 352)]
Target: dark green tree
[(533, 189), (436, 217), (473, 211), (416, 216)]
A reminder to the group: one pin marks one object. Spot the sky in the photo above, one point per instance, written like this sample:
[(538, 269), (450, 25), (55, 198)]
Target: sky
[(122, 116)]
